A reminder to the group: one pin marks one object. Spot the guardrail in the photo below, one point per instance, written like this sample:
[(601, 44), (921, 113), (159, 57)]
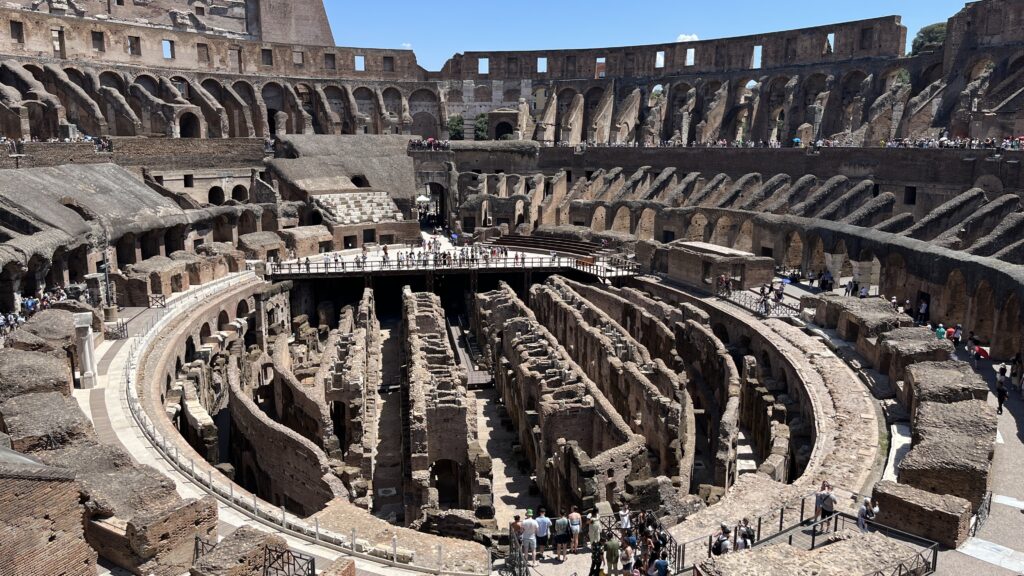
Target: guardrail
[(255, 509), (983, 511), (766, 307), (601, 267)]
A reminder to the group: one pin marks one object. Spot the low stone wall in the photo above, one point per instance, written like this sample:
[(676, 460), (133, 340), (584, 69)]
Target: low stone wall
[(942, 518)]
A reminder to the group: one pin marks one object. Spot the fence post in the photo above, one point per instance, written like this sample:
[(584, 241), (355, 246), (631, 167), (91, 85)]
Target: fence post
[(803, 502), (254, 508), (353, 541), (759, 528), (782, 516), (440, 559), (316, 529), (394, 548)]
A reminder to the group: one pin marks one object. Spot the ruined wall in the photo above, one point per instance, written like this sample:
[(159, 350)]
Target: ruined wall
[(281, 466), (644, 391), (581, 448), (447, 461)]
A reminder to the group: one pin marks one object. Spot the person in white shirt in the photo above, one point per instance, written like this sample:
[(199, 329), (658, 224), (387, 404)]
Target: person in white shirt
[(530, 537), (624, 521)]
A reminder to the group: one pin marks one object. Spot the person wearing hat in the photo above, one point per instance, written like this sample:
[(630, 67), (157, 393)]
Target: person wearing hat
[(940, 332), (722, 543), (530, 538)]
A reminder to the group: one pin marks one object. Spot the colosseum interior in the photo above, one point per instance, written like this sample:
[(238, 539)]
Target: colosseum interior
[(255, 287)]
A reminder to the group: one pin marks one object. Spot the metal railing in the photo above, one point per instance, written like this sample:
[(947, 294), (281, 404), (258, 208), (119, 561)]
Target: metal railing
[(202, 474), (982, 515), (766, 307), (157, 301), (279, 561), (605, 267), (201, 548)]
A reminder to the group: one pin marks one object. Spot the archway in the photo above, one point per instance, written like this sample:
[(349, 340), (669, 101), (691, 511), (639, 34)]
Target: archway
[(503, 131), (188, 126), (445, 477), (273, 100), (242, 310), (598, 221), (622, 220), (953, 307), (1010, 326), (722, 232), (697, 229), (223, 320), (240, 193), (793, 251), (983, 322), (645, 226), (216, 196)]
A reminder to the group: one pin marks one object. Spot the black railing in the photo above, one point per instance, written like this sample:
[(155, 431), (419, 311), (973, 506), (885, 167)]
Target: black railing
[(603, 267), (116, 331), (157, 301), (982, 515), (515, 563), (285, 562), (201, 548), (767, 307)]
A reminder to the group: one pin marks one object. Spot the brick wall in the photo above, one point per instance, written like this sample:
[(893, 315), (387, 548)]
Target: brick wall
[(41, 528)]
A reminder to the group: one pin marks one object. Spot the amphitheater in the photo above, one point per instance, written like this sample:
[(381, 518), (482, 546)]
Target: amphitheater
[(276, 307)]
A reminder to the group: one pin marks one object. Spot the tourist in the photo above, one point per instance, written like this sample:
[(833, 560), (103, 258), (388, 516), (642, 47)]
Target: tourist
[(895, 304), (575, 525), (864, 291), (611, 552), (825, 501), (562, 537), (626, 558), (661, 564), (517, 527), (958, 334), (543, 531), (922, 312), (866, 513), (940, 332), (951, 333), (593, 527), (1001, 390), (529, 536), (722, 542), (745, 535), (849, 288), (596, 555), (624, 520)]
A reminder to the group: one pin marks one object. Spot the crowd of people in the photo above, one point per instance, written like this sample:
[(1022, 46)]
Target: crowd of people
[(30, 305), (15, 145), (429, 255), (635, 544), (430, 144)]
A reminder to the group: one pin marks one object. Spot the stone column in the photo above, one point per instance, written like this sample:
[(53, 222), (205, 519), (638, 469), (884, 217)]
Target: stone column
[(86, 352)]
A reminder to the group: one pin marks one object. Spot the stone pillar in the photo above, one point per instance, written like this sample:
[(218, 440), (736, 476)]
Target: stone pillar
[(834, 263), (86, 351), (867, 273)]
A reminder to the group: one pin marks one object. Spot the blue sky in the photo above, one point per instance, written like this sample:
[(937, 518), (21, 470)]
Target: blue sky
[(437, 29)]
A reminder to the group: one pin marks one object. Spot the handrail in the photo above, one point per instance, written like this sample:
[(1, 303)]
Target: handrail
[(250, 507), (603, 267)]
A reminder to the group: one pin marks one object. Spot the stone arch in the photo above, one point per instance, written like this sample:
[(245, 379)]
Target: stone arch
[(697, 229), (240, 193), (793, 251), (223, 319), (621, 222), (775, 100), (744, 239), (337, 102), (983, 317), (238, 125), (722, 231), (392, 101), (205, 333), (247, 94), (111, 79), (274, 101), (423, 106), (366, 106), (511, 94), (189, 126), (816, 257), (482, 93), (591, 99), (215, 196), (242, 310), (247, 222), (1009, 326), (645, 225), (504, 131), (840, 260), (978, 67), (953, 305), (564, 101), (598, 220), (929, 76)]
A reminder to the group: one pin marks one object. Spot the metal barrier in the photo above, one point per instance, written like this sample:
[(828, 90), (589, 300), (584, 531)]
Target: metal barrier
[(250, 506), (982, 515), (610, 267), (201, 548), (279, 561), (157, 301), (766, 307)]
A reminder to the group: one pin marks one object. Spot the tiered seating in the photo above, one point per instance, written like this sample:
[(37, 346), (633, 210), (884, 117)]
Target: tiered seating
[(549, 244), (357, 207)]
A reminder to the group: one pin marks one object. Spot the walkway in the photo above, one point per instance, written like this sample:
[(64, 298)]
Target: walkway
[(388, 496), (998, 548)]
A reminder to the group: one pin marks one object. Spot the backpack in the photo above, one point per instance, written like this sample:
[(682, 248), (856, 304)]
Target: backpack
[(716, 548)]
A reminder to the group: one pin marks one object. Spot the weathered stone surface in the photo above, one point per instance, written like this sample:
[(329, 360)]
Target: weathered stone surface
[(942, 518)]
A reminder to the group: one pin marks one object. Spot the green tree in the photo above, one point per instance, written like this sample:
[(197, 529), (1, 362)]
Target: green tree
[(929, 36), (456, 128), (481, 127)]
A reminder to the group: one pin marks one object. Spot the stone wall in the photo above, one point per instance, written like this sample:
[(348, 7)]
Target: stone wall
[(942, 518)]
